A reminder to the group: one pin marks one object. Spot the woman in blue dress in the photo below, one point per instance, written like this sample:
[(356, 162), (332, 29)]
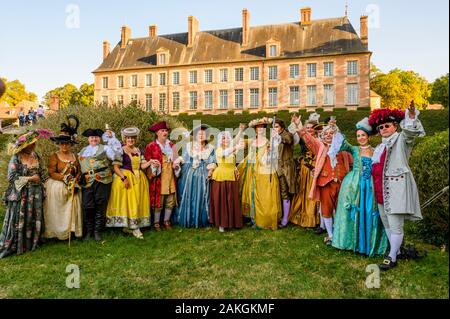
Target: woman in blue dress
[(193, 188), (357, 224)]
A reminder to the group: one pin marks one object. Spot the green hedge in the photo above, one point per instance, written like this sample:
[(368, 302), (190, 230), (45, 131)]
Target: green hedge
[(429, 163), (90, 117), (433, 120)]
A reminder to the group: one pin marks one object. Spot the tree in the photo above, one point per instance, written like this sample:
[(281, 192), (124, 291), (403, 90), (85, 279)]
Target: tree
[(70, 95), (84, 96), (397, 88), (16, 92), (439, 91)]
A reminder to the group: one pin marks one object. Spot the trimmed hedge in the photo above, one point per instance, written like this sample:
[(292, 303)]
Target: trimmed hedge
[(433, 120), (91, 117), (429, 163)]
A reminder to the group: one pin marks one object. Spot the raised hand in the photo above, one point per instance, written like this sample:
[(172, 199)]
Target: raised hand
[(412, 110)]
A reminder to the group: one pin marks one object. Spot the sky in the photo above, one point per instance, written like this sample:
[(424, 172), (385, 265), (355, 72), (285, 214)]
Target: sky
[(48, 43)]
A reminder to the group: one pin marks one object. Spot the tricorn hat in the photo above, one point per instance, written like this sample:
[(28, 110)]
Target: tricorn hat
[(93, 132), (163, 125)]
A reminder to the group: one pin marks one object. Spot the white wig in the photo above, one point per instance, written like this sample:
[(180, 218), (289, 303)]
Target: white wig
[(227, 134)]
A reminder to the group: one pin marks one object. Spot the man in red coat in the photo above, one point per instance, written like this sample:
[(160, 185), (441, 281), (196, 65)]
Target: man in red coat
[(161, 174)]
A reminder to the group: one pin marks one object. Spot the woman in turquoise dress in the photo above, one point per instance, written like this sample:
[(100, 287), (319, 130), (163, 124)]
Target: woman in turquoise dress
[(357, 223), (193, 187)]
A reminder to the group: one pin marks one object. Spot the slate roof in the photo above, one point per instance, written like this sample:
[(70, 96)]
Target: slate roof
[(321, 37)]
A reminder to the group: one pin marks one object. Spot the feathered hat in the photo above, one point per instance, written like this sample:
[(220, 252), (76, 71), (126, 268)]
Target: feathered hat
[(313, 118), (68, 131), (381, 116)]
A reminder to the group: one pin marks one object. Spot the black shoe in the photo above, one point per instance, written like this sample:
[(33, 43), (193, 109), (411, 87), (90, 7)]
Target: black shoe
[(319, 231), (97, 236), (87, 237), (387, 264)]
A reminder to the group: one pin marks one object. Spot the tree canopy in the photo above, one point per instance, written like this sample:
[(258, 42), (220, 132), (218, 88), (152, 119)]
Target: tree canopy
[(69, 94), (16, 92)]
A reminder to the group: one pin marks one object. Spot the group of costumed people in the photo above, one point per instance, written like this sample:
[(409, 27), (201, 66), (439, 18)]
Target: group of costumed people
[(359, 196)]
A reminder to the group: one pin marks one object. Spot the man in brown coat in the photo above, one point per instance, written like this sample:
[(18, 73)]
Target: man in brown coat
[(284, 141)]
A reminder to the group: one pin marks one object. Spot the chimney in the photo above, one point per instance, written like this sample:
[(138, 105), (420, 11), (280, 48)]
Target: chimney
[(152, 31), (364, 33), (105, 49), (305, 16), (126, 34), (192, 30), (245, 27), (54, 103)]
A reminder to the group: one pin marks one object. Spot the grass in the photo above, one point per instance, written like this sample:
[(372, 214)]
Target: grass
[(203, 263)]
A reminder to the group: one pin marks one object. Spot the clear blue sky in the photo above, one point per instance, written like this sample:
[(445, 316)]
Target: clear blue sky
[(38, 48)]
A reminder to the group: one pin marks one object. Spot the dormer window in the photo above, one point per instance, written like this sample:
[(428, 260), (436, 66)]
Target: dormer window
[(272, 48), (162, 56), (273, 51)]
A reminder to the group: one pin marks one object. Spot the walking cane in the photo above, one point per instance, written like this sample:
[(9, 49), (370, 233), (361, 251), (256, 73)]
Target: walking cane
[(271, 147), (72, 191)]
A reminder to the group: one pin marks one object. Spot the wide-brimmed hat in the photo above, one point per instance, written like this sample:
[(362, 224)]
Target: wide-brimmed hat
[(313, 118), (262, 121), (129, 132), (163, 125), (93, 132), (68, 131), (319, 126), (381, 116), (28, 139)]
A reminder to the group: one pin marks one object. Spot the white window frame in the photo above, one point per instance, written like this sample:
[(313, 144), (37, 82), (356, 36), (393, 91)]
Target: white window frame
[(209, 99), (254, 98), (223, 104), (294, 95), (193, 77), (311, 100), (328, 94), (254, 73), (273, 72)]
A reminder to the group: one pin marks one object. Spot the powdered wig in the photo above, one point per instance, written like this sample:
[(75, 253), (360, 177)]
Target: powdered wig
[(221, 135), (327, 128)]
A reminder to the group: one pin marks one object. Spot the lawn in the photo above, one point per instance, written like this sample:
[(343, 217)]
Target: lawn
[(189, 263)]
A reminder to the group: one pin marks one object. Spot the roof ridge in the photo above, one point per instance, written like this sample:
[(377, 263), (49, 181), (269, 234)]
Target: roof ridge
[(237, 28)]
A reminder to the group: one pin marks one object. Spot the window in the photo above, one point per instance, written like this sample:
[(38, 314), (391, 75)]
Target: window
[(273, 72), (352, 67), (254, 98), (133, 98), (162, 58), (273, 96), (148, 102), (120, 81), (352, 93), (238, 98), (239, 74), (328, 69), (175, 101), (224, 75), (192, 77), (208, 76), (148, 80), (208, 99), (105, 99), (162, 101), (273, 50), (311, 95), (294, 95), (134, 80), (254, 73), (294, 71), (105, 82), (193, 100), (120, 100), (223, 99), (176, 78), (328, 94), (311, 70), (162, 79)]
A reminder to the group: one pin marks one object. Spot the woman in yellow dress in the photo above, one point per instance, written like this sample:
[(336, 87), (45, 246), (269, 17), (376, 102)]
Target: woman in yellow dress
[(260, 193), (129, 203)]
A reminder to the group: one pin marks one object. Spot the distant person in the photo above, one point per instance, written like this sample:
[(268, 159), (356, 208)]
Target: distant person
[(21, 116), (40, 112), (31, 116)]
